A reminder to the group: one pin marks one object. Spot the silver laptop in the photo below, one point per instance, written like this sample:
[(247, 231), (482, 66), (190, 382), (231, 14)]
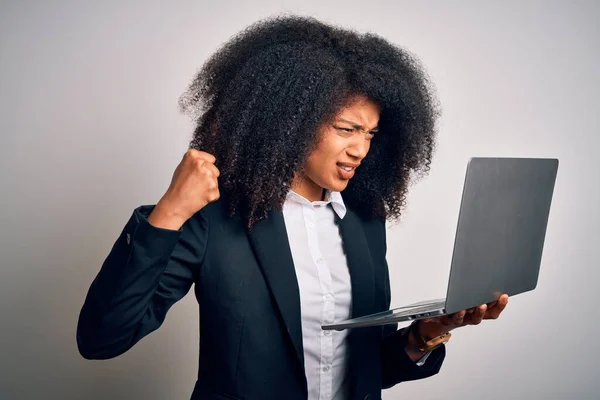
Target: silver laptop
[(499, 238)]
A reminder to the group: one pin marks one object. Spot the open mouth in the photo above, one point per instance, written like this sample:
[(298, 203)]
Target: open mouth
[(346, 171)]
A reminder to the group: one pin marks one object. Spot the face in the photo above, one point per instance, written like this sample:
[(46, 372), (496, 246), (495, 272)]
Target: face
[(343, 145)]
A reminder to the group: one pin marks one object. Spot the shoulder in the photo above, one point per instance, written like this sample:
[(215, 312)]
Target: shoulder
[(374, 228), (367, 221), (217, 220)]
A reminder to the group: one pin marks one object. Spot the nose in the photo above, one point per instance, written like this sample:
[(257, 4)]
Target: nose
[(359, 147)]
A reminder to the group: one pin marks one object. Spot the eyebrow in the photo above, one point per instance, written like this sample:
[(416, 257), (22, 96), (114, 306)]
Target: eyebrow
[(355, 125)]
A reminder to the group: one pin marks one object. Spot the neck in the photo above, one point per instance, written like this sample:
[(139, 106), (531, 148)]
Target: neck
[(308, 189)]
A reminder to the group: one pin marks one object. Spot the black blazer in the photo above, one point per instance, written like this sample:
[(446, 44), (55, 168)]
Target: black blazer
[(246, 287)]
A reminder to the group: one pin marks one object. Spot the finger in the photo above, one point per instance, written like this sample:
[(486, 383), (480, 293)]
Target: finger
[(494, 313), (501, 302), (458, 317), (444, 320), (207, 157), (478, 314), (214, 195), (202, 155), (212, 168), (503, 298)]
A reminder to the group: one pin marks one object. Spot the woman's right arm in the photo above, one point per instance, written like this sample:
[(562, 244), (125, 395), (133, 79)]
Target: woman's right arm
[(152, 264), (148, 270)]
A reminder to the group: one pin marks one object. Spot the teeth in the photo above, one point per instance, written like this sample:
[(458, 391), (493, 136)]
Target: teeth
[(347, 169)]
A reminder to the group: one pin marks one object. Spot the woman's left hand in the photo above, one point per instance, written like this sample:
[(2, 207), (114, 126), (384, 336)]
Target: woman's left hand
[(433, 327)]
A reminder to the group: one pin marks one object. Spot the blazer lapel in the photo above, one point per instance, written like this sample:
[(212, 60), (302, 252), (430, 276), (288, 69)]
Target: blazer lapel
[(362, 276), (360, 264), (269, 240)]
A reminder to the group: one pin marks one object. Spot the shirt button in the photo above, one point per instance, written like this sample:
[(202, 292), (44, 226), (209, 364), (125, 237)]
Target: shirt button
[(328, 296), (326, 368), (311, 225), (319, 260), (327, 333)]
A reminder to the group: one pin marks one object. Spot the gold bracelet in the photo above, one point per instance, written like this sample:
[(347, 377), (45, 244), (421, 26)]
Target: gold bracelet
[(431, 344)]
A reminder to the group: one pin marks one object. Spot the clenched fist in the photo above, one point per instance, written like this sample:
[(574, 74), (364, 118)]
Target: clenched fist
[(193, 186)]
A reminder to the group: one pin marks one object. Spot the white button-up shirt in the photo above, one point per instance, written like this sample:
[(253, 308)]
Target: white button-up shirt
[(325, 290)]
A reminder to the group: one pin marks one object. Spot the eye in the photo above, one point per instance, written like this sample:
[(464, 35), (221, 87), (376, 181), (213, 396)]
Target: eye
[(371, 134), (346, 132), (351, 131)]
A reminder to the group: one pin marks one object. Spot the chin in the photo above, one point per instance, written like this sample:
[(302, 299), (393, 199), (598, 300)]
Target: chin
[(338, 186)]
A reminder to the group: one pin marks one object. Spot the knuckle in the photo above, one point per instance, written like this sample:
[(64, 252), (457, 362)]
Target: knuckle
[(214, 195), (207, 156), (198, 163), (206, 171), (191, 153)]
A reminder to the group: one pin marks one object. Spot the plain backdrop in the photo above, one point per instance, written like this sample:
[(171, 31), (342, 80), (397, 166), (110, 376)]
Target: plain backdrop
[(90, 129)]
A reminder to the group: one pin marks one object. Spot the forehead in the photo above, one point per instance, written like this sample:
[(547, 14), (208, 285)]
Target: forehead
[(361, 110)]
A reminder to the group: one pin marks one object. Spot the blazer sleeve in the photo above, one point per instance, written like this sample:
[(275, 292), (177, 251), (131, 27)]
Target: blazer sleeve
[(147, 271), (396, 365)]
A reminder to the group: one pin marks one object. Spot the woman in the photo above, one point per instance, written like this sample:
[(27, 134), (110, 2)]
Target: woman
[(291, 113)]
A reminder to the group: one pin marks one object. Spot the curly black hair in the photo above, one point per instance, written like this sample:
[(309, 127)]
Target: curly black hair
[(260, 99)]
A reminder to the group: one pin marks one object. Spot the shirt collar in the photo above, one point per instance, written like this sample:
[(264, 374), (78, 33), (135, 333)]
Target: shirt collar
[(335, 198)]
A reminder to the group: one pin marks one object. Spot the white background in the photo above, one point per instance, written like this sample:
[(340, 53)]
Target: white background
[(90, 129)]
